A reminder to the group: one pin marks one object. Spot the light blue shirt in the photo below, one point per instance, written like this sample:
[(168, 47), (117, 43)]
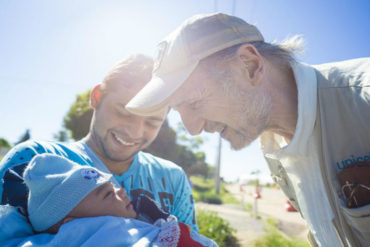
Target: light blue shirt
[(97, 231), (159, 179)]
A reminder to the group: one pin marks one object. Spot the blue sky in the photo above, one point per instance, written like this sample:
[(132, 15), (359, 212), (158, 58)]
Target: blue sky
[(52, 50)]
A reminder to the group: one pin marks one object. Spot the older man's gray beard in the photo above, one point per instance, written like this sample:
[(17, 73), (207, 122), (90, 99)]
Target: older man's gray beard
[(255, 116)]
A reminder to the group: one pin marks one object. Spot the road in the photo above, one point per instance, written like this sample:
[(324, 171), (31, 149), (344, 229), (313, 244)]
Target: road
[(272, 204)]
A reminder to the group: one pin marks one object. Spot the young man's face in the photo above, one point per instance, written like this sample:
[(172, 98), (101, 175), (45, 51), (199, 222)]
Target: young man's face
[(117, 134), (106, 200)]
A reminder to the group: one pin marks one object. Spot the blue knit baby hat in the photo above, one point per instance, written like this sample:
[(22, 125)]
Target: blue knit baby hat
[(56, 186)]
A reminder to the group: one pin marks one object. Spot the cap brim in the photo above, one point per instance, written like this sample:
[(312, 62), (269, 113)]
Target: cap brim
[(154, 97)]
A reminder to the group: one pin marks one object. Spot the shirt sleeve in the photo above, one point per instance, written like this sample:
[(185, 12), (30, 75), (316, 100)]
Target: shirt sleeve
[(12, 189), (183, 206)]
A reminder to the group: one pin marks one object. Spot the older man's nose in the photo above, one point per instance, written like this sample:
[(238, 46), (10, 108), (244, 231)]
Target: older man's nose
[(193, 124)]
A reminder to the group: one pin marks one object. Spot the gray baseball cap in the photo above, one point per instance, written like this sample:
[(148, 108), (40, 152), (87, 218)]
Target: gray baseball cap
[(180, 52)]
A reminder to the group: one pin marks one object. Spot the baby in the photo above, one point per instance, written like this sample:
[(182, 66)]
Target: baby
[(61, 191)]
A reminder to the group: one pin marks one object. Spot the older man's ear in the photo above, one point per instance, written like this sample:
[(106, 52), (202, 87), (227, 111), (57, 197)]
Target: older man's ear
[(252, 64)]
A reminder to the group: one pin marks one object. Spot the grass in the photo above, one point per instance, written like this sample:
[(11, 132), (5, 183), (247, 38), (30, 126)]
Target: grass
[(249, 207), (274, 238), (204, 190), (216, 228)]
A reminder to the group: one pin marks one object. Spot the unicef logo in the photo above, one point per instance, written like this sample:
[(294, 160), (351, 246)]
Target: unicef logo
[(90, 174)]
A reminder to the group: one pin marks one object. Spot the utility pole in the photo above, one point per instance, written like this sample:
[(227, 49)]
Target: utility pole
[(218, 164), (218, 157)]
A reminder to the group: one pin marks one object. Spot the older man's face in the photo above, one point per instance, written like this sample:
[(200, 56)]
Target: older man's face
[(236, 110)]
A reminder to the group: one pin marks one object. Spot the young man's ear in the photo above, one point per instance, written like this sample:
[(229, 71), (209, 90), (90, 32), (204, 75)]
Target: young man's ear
[(252, 64), (95, 96)]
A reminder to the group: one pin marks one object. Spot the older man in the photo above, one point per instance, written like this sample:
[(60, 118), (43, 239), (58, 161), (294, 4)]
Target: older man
[(114, 146), (218, 72)]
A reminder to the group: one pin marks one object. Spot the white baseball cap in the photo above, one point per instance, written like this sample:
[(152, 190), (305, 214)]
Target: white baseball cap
[(180, 52)]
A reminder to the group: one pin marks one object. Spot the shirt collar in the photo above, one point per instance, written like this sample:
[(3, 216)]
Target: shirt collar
[(99, 164), (271, 143)]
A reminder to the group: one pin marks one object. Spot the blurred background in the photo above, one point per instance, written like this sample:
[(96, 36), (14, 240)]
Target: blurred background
[(50, 51), (53, 51)]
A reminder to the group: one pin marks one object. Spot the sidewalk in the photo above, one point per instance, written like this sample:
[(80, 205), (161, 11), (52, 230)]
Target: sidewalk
[(248, 228), (272, 204)]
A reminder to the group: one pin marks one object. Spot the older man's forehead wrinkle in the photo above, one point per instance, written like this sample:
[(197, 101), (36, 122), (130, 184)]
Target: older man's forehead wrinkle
[(177, 101)]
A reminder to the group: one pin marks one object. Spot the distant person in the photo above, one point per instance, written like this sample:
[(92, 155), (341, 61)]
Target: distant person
[(217, 71), (113, 146), (61, 191)]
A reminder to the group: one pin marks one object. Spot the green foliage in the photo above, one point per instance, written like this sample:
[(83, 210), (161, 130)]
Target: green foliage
[(272, 222), (274, 238), (211, 197), (216, 228), (204, 191), (227, 197), (79, 116), (248, 207), (184, 138), (61, 136), (4, 143), (165, 146), (202, 184)]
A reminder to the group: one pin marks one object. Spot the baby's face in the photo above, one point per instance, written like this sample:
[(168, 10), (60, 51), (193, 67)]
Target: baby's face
[(106, 200)]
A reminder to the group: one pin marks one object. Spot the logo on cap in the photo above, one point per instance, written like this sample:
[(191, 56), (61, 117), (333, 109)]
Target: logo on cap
[(90, 174)]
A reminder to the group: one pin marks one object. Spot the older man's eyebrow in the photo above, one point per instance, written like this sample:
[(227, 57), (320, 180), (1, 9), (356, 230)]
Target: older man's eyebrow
[(177, 104), (153, 118)]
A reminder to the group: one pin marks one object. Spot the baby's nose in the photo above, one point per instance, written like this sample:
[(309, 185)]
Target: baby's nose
[(121, 192)]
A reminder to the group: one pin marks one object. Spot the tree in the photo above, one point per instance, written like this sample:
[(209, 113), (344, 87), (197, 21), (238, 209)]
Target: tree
[(79, 116), (4, 143), (166, 146), (62, 136), (77, 122), (26, 136)]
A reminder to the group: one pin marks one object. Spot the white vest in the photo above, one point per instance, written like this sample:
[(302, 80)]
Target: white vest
[(333, 130)]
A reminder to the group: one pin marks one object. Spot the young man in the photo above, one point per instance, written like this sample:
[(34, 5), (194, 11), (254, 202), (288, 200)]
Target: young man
[(220, 75), (113, 146), (61, 191)]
